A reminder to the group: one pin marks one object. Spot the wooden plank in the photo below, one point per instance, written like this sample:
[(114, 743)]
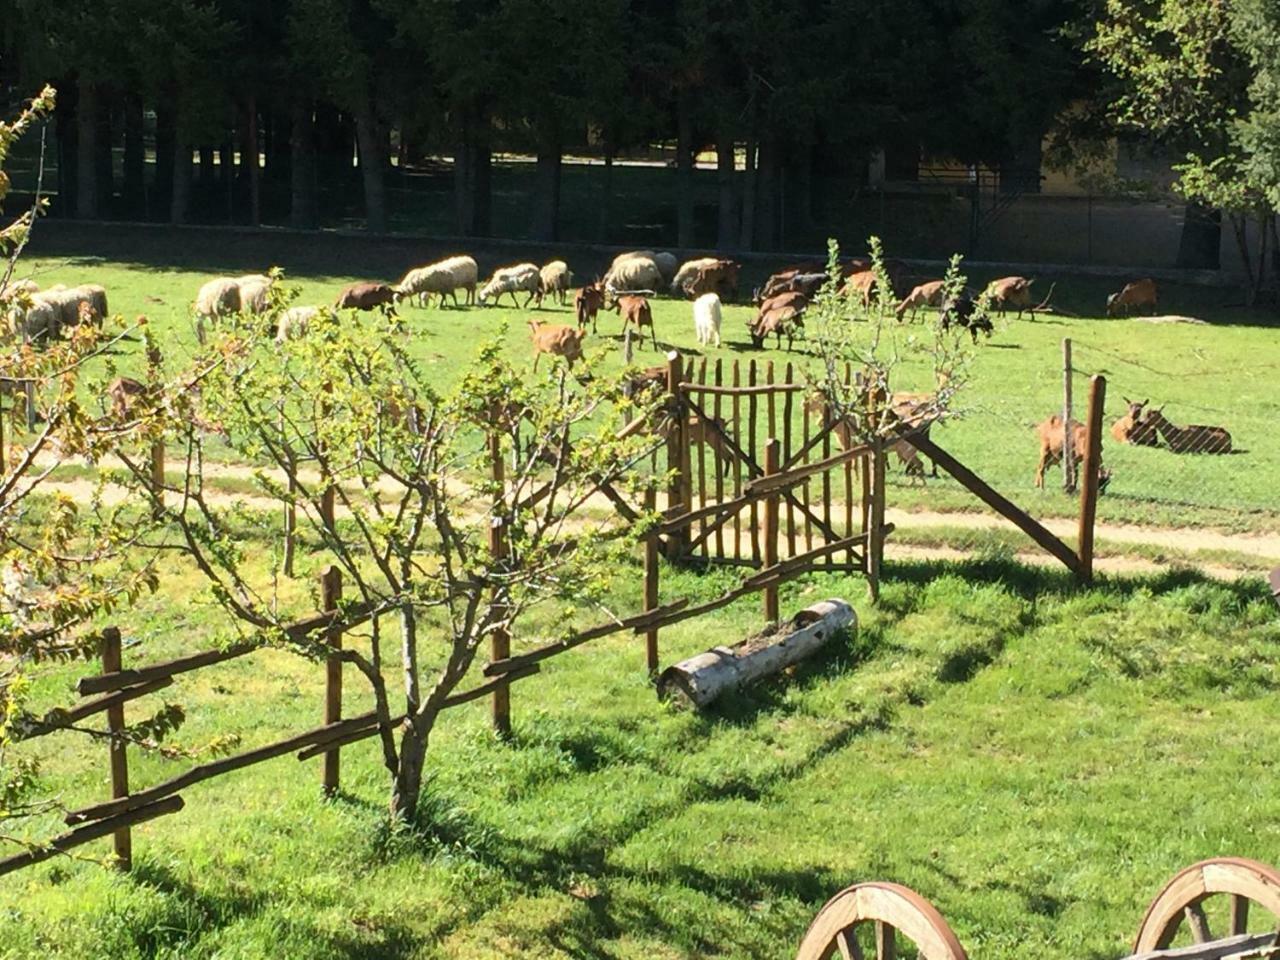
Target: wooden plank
[(848, 470), (997, 502), (1198, 922), (500, 639), (752, 428), (702, 468), (60, 717), (1239, 914), (91, 832), (1090, 468), (675, 446), (826, 476), (719, 466), (353, 617), (118, 748), (790, 477), (804, 491), (650, 587), (214, 768), (787, 417), (886, 941), (772, 457), (641, 622), (737, 465), (1240, 946), (875, 529), (330, 596), (751, 389)]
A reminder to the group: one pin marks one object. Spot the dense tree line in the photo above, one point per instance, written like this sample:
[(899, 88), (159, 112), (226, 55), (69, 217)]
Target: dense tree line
[(807, 88)]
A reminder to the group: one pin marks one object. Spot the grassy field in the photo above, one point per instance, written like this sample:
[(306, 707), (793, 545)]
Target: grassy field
[(1033, 758), (1219, 373)]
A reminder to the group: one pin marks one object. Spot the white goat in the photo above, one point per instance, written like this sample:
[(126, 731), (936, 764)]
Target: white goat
[(706, 318)]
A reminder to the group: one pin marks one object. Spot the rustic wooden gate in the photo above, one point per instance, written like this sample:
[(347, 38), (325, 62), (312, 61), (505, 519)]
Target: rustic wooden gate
[(729, 411)]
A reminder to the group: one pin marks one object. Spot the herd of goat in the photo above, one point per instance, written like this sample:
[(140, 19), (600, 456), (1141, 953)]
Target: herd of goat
[(626, 288)]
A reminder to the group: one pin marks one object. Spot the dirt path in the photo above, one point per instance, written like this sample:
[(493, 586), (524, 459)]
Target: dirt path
[(1264, 548)]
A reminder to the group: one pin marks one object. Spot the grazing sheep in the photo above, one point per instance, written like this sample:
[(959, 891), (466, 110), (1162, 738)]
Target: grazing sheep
[(783, 314), (634, 273), (1010, 292), (367, 296), (925, 295), (1195, 438), (445, 277), (1052, 438), (587, 303), (1134, 296), (293, 323), (706, 318), (555, 278), (67, 300), (218, 298), (667, 265), (635, 309), (523, 276), (1134, 427), (556, 340), (40, 321), (122, 391), (255, 293)]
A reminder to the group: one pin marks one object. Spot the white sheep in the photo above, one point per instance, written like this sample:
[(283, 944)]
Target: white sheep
[(706, 318), (219, 297), (66, 301), (40, 321), (293, 323), (442, 277), (523, 276), (554, 277), (636, 273), (688, 270), (255, 293)]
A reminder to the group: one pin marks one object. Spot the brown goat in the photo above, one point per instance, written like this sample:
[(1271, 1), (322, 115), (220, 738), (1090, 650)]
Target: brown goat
[(925, 295), (1010, 292), (860, 284), (587, 303), (779, 315), (635, 309), (367, 296), (122, 392), (1134, 296), (560, 341), (1134, 427), (1052, 438), (720, 278), (1195, 438), (904, 405)]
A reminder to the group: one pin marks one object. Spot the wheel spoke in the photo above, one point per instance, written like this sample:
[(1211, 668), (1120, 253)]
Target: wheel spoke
[(1194, 913), (1239, 914), (886, 947), (848, 944)]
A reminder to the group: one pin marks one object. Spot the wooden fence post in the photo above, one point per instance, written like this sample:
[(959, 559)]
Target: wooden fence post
[(4, 461), (111, 663), (330, 594), (500, 643), (875, 524), (1092, 463), (771, 466), (677, 453), (1068, 450), (651, 586)]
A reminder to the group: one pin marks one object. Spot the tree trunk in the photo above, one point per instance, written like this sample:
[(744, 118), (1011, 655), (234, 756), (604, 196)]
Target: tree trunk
[(251, 155), (1200, 245), (1239, 226), (67, 127), (104, 162), (800, 204), (135, 160), (373, 158), (546, 194), (227, 177), (302, 205), (206, 165), (749, 197), (181, 181), (684, 170), (727, 229), (605, 211), (161, 199), (407, 787), (464, 174), (87, 150), (482, 175), (767, 196)]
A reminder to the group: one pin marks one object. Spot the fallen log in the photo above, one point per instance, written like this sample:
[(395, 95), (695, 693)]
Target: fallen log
[(700, 680)]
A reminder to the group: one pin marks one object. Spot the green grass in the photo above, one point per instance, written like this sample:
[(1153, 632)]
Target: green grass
[(1034, 759), (1219, 373)]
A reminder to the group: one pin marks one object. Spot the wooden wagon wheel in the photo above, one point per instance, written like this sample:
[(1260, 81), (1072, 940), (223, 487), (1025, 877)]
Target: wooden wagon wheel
[(889, 908), (1244, 882)]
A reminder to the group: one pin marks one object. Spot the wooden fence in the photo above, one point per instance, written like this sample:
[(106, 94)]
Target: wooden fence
[(760, 515)]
